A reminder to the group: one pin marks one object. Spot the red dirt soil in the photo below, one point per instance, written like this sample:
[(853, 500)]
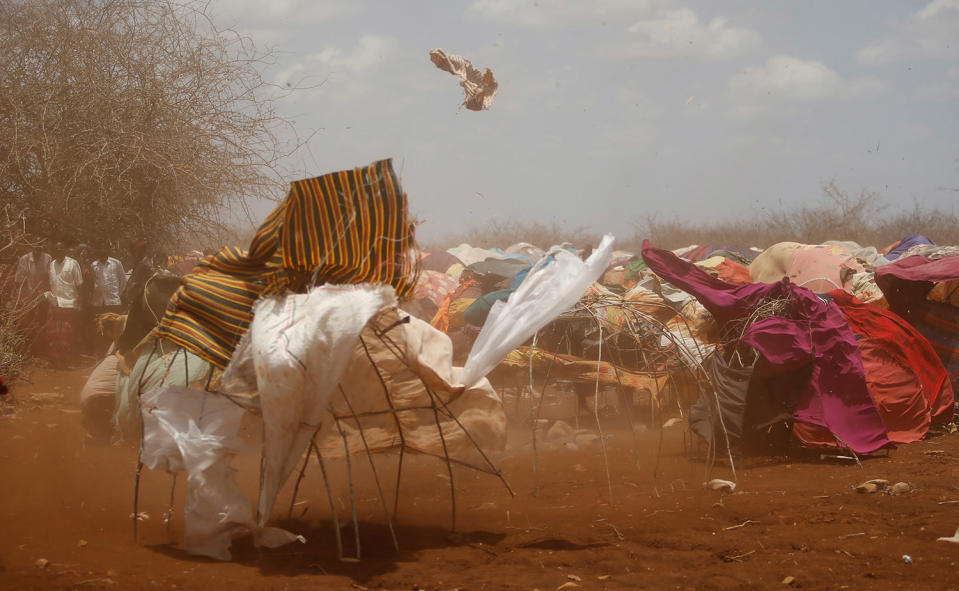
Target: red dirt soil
[(69, 503)]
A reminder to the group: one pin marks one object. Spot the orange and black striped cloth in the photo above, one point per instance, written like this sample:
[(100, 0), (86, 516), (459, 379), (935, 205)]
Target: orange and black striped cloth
[(344, 227)]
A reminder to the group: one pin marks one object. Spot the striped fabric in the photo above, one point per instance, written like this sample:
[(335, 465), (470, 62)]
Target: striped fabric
[(343, 227)]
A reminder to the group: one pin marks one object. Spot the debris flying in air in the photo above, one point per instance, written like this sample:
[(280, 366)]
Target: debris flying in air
[(480, 87)]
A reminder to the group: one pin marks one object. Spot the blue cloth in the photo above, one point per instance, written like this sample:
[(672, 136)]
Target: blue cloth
[(905, 244)]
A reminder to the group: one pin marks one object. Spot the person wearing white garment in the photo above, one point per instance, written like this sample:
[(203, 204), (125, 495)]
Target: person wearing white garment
[(109, 281), (32, 280), (63, 320)]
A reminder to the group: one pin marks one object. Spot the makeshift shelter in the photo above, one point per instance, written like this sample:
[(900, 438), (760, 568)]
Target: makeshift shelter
[(910, 284), (905, 376), (321, 367), (345, 227), (803, 334)]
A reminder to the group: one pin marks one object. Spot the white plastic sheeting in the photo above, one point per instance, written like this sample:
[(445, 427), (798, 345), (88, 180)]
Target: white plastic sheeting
[(552, 287), (469, 255), (301, 345), (190, 430), (415, 362)]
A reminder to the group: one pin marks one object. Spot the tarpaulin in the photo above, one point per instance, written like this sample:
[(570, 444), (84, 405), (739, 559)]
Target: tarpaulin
[(391, 386), (905, 346), (299, 347), (896, 249), (553, 285), (197, 432)]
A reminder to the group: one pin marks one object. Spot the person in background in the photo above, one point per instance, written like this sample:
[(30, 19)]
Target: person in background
[(142, 270), (109, 280), (86, 331), (32, 280), (63, 317)]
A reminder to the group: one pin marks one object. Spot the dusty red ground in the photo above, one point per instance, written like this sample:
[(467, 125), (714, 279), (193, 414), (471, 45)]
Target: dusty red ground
[(803, 520)]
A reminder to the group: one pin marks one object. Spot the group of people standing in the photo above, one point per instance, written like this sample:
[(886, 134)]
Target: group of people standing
[(63, 291)]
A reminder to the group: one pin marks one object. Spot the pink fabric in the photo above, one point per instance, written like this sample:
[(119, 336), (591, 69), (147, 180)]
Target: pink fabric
[(822, 268), (434, 286)]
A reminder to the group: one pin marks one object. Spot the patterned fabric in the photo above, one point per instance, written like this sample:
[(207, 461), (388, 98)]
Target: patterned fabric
[(434, 286), (343, 227)]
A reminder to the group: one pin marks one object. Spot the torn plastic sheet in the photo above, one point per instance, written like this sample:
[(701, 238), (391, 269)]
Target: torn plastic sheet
[(198, 432), (301, 344), (552, 287)]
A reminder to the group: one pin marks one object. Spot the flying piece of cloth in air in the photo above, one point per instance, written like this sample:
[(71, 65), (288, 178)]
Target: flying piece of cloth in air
[(480, 87)]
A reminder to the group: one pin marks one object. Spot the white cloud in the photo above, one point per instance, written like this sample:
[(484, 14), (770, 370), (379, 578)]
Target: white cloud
[(930, 33), (555, 13), (275, 22), (788, 78), (679, 33), (371, 51), (283, 12)]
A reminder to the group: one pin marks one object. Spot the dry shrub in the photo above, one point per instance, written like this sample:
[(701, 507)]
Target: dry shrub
[(126, 119), (14, 305), (503, 233), (863, 218)]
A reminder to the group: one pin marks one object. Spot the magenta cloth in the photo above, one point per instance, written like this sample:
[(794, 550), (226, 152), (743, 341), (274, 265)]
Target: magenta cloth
[(836, 396), (907, 281)]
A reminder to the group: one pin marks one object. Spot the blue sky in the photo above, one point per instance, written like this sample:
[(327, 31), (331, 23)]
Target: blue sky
[(611, 109)]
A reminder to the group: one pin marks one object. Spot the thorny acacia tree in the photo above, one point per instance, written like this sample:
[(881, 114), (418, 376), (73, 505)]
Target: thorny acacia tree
[(126, 119)]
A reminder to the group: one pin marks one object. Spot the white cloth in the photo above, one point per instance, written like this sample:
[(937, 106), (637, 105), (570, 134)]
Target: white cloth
[(553, 286), (65, 282), (301, 345), (32, 272), (199, 432), (470, 255), (109, 279)]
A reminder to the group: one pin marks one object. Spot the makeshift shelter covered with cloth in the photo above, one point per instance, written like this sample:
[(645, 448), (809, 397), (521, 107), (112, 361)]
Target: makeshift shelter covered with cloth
[(905, 376), (343, 227), (817, 336), (910, 285), (338, 362)]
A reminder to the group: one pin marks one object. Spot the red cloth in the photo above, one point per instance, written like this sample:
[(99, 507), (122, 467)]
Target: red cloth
[(61, 332), (732, 272), (887, 338)]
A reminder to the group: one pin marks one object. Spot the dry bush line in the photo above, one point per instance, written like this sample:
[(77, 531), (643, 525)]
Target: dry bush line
[(127, 119)]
